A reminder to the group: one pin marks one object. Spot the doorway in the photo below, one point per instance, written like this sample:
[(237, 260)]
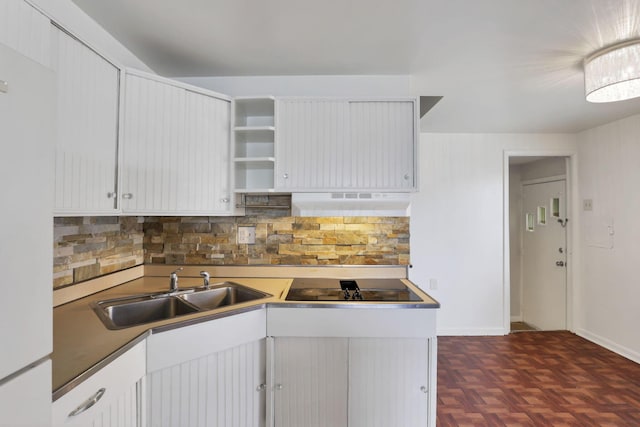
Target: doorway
[(538, 245)]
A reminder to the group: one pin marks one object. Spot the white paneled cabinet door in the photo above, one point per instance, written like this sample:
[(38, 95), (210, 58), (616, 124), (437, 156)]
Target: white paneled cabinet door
[(175, 150), (382, 137), (309, 384), (206, 159), (25, 30), (109, 398), (345, 144), (87, 145), (222, 389), (312, 150), (388, 382)]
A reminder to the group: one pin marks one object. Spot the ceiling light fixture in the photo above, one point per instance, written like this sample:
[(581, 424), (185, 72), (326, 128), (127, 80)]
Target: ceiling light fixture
[(613, 73)]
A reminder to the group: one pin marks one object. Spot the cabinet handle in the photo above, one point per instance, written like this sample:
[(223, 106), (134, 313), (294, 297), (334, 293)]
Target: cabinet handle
[(261, 387), (285, 175), (88, 403), (127, 196), (424, 389), (279, 387), (225, 200), (406, 177), (112, 195)]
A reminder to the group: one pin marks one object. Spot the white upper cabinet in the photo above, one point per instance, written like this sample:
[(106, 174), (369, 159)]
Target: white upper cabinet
[(88, 89), (254, 144), (176, 141), (25, 30), (346, 145)]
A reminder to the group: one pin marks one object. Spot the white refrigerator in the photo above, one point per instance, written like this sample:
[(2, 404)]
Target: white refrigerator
[(27, 137)]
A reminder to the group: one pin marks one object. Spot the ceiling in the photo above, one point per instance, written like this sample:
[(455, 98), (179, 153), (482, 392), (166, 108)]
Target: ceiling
[(500, 65)]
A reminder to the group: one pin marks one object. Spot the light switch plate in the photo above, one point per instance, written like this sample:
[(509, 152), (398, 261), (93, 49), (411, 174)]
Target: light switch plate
[(246, 235), (587, 205)]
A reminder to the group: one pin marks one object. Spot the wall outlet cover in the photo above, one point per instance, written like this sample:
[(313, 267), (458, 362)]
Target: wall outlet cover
[(246, 235)]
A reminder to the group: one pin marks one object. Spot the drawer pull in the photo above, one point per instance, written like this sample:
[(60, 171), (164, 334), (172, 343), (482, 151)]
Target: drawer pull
[(88, 403)]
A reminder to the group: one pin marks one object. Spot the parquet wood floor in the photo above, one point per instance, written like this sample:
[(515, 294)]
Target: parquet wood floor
[(535, 379)]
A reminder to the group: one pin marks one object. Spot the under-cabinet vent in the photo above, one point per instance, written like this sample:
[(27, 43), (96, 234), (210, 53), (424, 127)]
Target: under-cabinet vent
[(350, 204)]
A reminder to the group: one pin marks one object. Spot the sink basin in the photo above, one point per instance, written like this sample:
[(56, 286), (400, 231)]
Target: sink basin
[(122, 313), (118, 314), (223, 295)]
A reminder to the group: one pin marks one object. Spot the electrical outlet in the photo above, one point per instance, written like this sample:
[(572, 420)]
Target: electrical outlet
[(587, 204), (246, 235)]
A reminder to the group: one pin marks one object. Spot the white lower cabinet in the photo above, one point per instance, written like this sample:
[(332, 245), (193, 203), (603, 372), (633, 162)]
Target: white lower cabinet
[(354, 382), (356, 368), (310, 382), (388, 382), (108, 398), (208, 374)]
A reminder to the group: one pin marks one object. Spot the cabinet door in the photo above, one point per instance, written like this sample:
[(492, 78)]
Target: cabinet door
[(25, 30), (327, 145), (382, 141), (312, 149), (87, 144), (205, 155), (175, 150), (221, 389), (108, 398), (210, 373), (310, 382), (388, 382)]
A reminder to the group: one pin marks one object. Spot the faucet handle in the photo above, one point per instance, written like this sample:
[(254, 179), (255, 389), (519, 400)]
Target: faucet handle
[(205, 275), (173, 280)]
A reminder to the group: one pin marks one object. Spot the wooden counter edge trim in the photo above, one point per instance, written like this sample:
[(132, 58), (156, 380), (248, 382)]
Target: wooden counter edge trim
[(81, 290), (284, 271)]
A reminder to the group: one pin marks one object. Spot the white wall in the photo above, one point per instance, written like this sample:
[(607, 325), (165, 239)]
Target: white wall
[(73, 19), (365, 86), (457, 225), (515, 240), (609, 297)]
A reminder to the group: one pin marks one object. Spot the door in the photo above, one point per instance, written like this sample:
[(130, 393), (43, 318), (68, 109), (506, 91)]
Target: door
[(310, 382), (27, 123), (87, 146), (544, 300), (388, 382)]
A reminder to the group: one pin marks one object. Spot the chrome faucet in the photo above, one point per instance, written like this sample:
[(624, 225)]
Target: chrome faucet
[(173, 280), (205, 276)]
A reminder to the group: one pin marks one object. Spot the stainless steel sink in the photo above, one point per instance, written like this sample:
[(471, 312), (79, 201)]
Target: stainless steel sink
[(118, 314), (125, 312), (221, 296)]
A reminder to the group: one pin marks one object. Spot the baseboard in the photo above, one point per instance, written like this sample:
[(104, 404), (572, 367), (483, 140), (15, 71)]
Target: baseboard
[(610, 345), (471, 332), (516, 318)]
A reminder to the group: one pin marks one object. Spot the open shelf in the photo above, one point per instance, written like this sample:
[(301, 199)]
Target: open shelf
[(254, 144)]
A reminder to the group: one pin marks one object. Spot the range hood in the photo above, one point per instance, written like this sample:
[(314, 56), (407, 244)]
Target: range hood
[(350, 204)]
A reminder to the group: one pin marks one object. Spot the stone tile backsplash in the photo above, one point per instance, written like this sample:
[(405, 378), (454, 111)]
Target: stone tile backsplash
[(279, 240), (88, 247)]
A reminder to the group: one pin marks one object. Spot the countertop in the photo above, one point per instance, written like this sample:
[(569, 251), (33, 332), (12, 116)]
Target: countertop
[(82, 344)]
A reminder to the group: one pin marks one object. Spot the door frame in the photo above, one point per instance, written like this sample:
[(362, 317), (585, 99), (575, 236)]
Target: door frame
[(571, 173)]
